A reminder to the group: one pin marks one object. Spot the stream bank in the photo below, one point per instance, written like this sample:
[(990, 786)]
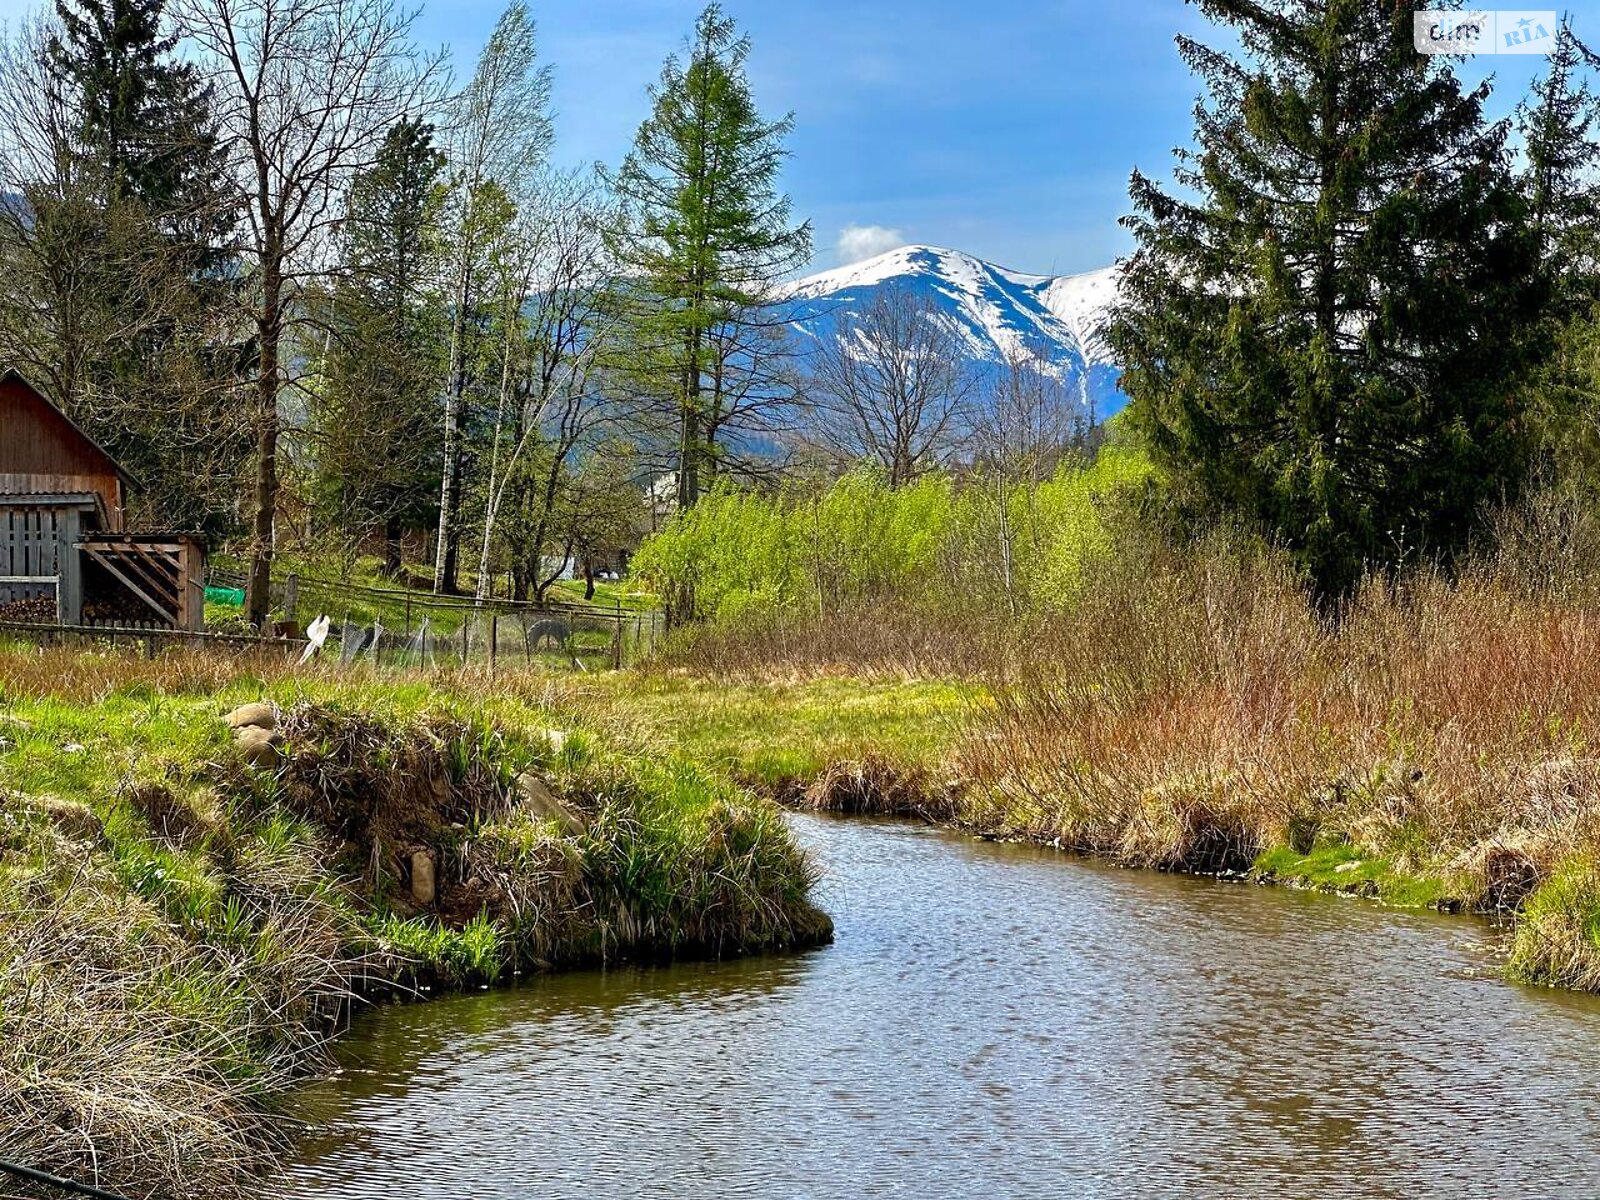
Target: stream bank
[(187, 911)]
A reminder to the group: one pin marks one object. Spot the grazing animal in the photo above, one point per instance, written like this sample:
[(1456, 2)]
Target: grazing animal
[(550, 629)]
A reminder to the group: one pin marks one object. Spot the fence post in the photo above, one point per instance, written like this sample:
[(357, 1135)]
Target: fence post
[(494, 641), (616, 639), (291, 596)]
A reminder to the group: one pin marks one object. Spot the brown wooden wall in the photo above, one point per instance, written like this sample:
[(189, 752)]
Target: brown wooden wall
[(41, 453)]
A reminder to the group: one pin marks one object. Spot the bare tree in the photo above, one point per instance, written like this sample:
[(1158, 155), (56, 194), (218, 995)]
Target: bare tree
[(305, 91), (501, 133), (553, 293), (553, 400), (1020, 432), (893, 386)]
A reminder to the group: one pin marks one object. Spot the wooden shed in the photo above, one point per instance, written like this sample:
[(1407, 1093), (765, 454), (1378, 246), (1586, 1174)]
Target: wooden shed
[(63, 531)]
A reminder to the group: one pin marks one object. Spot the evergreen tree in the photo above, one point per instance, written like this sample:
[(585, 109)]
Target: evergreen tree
[(128, 234), (1560, 124), (377, 408), (704, 236), (144, 114), (1324, 330)]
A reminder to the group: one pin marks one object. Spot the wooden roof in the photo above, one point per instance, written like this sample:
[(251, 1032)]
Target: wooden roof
[(15, 377)]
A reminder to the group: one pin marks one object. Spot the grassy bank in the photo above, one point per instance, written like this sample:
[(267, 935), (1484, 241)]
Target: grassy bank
[(180, 932)]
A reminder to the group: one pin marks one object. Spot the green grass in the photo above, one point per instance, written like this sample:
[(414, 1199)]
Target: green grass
[(1340, 867), (152, 887), (1556, 941), (776, 736), (390, 605)]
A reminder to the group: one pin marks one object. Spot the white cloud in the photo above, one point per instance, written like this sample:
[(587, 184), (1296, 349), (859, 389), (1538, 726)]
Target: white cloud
[(857, 242)]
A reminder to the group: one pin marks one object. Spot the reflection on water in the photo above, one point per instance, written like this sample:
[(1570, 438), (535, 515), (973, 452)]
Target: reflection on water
[(992, 1021)]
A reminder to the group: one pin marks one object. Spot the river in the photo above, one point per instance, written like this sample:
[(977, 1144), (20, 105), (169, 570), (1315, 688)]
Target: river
[(992, 1021)]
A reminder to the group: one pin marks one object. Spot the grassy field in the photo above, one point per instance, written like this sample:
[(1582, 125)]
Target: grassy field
[(325, 587), (180, 932), (779, 738)]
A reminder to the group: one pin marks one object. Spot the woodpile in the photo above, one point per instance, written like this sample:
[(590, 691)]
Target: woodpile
[(39, 609)]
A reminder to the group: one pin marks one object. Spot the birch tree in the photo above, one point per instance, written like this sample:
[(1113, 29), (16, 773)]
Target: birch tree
[(501, 132), (557, 404)]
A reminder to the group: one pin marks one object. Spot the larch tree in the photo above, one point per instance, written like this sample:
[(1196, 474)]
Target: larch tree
[(703, 238), (306, 92), (1324, 328)]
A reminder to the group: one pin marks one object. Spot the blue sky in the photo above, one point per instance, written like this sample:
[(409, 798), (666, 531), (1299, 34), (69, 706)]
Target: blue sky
[(1006, 129)]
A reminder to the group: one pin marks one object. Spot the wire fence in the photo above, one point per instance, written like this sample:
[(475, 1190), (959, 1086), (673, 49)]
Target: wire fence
[(354, 624), (405, 627)]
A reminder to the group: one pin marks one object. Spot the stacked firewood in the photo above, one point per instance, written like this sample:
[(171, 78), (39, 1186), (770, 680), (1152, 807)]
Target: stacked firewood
[(113, 610), (35, 609)]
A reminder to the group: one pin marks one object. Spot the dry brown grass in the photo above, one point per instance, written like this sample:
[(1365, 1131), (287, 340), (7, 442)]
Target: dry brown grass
[(876, 785), (30, 671), (1190, 709), (890, 641), (1195, 711)]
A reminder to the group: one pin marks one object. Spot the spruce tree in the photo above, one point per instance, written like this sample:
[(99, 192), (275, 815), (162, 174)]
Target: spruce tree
[(144, 119), (1560, 124), (376, 408), (1324, 328), (704, 237), (140, 212)]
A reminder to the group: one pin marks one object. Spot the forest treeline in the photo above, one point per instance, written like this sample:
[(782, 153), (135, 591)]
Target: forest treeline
[(314, 291), (310, 290)]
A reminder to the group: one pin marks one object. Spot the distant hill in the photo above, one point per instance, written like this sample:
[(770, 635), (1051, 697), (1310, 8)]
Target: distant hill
[(1061, 317)]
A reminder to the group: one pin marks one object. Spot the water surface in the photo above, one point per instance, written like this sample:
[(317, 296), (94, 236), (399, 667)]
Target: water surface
[(991, 1021)]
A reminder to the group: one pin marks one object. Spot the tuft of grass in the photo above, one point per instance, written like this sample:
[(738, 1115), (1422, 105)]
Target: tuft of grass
[(1557, 937), (1340, 867)]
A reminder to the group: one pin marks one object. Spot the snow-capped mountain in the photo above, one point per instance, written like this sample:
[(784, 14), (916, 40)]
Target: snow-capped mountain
[(999, 312)]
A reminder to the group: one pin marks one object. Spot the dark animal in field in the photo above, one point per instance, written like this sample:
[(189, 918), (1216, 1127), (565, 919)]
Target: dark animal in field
[(549, 630)]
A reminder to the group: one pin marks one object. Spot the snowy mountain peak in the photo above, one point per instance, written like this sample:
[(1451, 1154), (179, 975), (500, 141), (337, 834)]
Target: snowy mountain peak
[(999, 312)]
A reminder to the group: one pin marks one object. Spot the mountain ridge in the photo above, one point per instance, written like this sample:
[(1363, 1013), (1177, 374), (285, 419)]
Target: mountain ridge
[(997, 310)]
